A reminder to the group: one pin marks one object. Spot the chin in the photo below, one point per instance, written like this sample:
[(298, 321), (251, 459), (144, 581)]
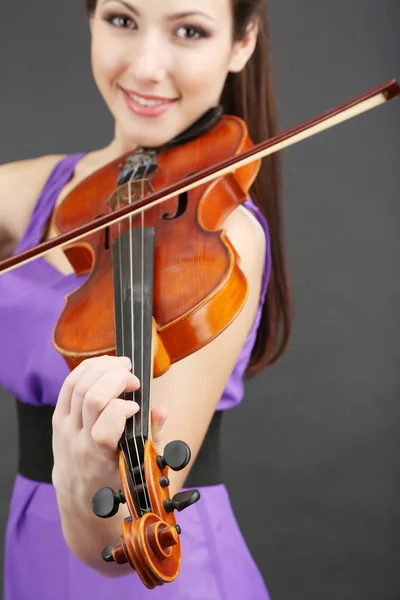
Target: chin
[(150, 141), (151, 137)]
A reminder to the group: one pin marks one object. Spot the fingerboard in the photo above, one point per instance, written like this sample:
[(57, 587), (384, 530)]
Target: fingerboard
[(133, 269)]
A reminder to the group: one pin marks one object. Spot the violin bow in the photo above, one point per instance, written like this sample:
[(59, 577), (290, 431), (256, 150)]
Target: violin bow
[(357, 106)]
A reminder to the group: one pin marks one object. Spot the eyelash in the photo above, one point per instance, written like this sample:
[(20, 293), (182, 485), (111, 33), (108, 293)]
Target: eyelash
[(123, 21)]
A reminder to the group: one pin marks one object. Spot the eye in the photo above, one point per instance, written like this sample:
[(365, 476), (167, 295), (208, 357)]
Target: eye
[(190, 32), (120, 21)]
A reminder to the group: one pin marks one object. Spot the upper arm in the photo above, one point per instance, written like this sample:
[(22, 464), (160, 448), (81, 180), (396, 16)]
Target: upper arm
[(20, 185), (191, 389)]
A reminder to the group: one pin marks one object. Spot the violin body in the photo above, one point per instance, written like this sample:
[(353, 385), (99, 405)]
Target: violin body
[(198, 285)]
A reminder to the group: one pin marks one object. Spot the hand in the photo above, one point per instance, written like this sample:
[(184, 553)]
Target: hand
[(88, 422)]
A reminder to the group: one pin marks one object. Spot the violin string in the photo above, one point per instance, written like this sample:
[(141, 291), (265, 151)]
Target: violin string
[(123, 336), (122, 306), (124, 352), (141, 479), (147, 168), (142, 324)]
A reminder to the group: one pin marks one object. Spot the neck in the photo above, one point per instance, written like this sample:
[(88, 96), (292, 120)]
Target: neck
[(121, 144)]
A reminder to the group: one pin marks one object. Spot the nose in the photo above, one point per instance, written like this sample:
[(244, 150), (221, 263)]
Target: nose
[(150, 59)]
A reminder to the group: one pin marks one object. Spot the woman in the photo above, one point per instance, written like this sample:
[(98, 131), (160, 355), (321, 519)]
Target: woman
[(159, 66)]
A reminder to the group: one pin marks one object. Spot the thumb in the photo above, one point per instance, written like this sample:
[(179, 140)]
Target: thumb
[(158, 417)]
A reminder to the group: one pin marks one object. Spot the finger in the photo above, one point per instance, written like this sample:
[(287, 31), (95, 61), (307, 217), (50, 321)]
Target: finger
[(105, 388), (97, 367), (82, 386), (158, 417), (63, 406), (110, 425)]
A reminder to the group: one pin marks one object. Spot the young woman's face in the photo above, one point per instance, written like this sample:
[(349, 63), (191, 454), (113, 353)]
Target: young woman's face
[(160, 64)]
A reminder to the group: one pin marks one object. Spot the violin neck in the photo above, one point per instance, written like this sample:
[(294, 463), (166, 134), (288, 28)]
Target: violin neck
[(133, 270)]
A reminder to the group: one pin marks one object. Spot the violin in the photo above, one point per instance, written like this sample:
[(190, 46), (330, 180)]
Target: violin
[(137, 293), (163, 280)]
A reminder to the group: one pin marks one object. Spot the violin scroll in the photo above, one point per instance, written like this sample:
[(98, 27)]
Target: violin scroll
[(150, 537)]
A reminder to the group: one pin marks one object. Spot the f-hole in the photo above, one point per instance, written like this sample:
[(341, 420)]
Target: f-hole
[(182, 205), (106, 235), (181, 208)]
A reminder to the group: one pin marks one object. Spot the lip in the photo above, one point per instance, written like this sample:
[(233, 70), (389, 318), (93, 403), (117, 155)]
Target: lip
[(147, 96), (147, 111)]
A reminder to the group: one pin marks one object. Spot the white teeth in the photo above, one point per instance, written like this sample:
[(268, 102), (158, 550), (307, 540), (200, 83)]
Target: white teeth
[(144, 102)]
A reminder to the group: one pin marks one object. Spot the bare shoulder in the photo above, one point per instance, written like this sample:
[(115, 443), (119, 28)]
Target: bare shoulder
[(20, 185)]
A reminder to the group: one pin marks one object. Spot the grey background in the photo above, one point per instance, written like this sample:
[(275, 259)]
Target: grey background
[(311, 456)]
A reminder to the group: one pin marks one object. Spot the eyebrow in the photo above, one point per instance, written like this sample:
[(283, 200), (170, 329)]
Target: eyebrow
[(174, 17)]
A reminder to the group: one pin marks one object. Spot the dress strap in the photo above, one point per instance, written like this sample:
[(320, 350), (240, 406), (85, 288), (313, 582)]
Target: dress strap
[(60, 175)]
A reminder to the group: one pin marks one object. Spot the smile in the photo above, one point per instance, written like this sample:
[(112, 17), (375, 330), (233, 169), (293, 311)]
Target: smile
[(145, 102), (147, 106)]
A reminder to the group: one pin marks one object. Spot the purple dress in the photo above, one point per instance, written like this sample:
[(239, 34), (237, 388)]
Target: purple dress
[(216, 563)]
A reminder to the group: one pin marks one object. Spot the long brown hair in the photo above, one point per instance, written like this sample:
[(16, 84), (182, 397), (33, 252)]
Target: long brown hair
[(250, 96)]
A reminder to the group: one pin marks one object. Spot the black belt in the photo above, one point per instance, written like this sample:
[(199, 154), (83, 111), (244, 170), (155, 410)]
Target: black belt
[(36, 453)]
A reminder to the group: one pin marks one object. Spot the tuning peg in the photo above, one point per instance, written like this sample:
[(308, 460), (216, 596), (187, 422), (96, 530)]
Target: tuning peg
[(105, 502), (182, 500), (176, 456), (107, 554), (114, 553)]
